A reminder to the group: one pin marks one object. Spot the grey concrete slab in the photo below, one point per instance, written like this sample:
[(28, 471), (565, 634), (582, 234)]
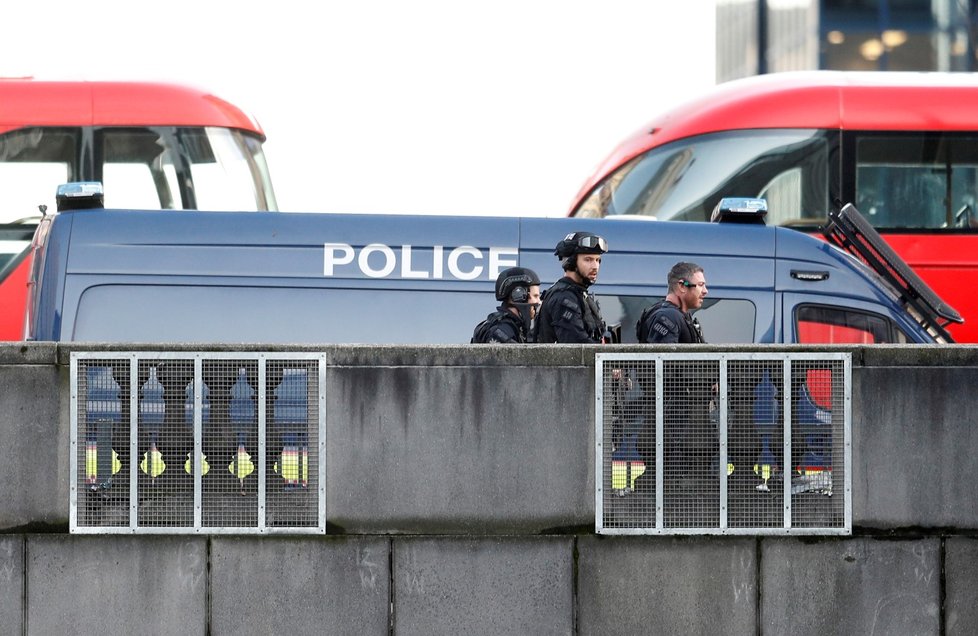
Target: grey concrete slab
[(453, 355), (667, 585), (930, 355), (851, 586), (961, 586), (914, 433), (12, 584), (449, 450), (110, 585), (487, 585), (28, 352), (33, 446), (283, 585)]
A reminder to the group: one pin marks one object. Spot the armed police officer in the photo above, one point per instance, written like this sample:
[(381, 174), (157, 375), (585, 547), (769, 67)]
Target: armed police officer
[(569, 312), (691, 437), (519, 290), (671, 320)]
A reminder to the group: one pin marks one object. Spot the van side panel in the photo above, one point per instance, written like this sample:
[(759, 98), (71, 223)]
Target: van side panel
[(135, 276), (256, 277)]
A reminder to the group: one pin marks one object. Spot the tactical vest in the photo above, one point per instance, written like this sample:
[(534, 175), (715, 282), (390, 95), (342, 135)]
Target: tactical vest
[(590, 313), (484, 330), (689, 329)]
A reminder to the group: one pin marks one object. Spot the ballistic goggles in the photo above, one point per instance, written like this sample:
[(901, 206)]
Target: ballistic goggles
[(593, 242)]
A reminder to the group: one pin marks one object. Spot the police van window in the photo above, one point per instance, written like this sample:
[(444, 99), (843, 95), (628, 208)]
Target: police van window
[(724, 320), (33, 163), (685, 179), (834, 325), (915, 180)]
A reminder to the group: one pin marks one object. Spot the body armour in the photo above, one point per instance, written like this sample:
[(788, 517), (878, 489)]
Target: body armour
[(569, 314)]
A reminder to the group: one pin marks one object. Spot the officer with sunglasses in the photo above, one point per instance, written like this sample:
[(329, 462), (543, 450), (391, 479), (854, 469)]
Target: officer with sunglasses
[(671, 320), (570, 313), (691, 446)]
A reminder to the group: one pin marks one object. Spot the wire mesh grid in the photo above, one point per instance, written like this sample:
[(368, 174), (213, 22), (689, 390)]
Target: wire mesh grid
[(755, 434), (818, 445), (229, 432), (100, 441), (221, 443), (292, 484), (723, 443), (691, 461), (630, 444), (165, 441)]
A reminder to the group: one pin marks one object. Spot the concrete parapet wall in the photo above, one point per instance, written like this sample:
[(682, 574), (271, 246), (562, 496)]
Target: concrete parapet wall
[(484, 455), (56, 584)]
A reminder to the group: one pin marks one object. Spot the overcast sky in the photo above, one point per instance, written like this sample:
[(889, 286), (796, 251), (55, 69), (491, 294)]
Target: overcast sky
[(430, 106)]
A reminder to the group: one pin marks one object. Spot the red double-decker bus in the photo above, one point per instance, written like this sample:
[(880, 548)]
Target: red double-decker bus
[(902, 147), (152, 145)]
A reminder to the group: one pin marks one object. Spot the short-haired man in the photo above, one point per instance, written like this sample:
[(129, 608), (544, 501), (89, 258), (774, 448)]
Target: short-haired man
[(569, 312), (670, 320), (691, 440), (519, 290)]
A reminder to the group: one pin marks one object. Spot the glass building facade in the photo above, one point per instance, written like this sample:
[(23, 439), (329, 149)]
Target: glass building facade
[(765, 36)]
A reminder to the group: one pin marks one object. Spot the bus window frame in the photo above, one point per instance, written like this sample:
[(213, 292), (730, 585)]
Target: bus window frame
[(830, 137), (850, 142)]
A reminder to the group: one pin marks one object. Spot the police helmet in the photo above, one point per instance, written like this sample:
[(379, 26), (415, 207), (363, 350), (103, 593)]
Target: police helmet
[(580, 243), (514, 284)]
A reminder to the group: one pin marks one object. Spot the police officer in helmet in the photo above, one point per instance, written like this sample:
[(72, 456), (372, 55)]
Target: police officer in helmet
[(569, 312), (519, 290)]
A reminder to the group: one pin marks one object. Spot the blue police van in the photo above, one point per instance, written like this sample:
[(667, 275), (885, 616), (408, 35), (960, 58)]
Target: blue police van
[(226, 277)]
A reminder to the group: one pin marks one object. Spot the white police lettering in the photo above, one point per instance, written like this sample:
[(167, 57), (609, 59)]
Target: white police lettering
[(406, 271), (453, 268), (390, 261), (331, 260), (378, 260)]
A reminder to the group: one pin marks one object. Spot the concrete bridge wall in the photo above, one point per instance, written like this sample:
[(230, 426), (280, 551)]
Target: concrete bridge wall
[(459, 497)]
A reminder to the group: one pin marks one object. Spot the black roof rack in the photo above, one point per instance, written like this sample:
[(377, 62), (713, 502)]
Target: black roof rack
[(849, 230)]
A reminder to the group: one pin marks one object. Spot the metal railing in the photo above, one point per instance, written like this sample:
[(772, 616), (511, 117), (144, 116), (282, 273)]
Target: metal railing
[(197, 442), (723, 443)]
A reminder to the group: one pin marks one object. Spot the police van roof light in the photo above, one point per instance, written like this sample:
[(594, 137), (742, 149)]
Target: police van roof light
[(80, 195), (739, 210)]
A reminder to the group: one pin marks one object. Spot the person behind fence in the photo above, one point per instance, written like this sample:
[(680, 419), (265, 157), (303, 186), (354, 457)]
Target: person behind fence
[(689, 391), (519, 290), (569, 312), (671, 320)]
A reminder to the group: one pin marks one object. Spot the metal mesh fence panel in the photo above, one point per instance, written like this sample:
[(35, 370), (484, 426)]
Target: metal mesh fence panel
[(100, 443), (755, 434), (691, 463), (292, 484), (229, 430), (630, 443), (170, 443), (818, 445), (723, 443), (164, 490)]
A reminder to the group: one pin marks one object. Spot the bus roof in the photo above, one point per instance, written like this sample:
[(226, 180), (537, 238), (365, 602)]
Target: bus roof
[(846, 100), (28, 102)]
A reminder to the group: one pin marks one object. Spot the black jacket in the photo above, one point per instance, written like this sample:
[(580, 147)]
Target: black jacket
[(569, 314), (665, 322), (500, 326)]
